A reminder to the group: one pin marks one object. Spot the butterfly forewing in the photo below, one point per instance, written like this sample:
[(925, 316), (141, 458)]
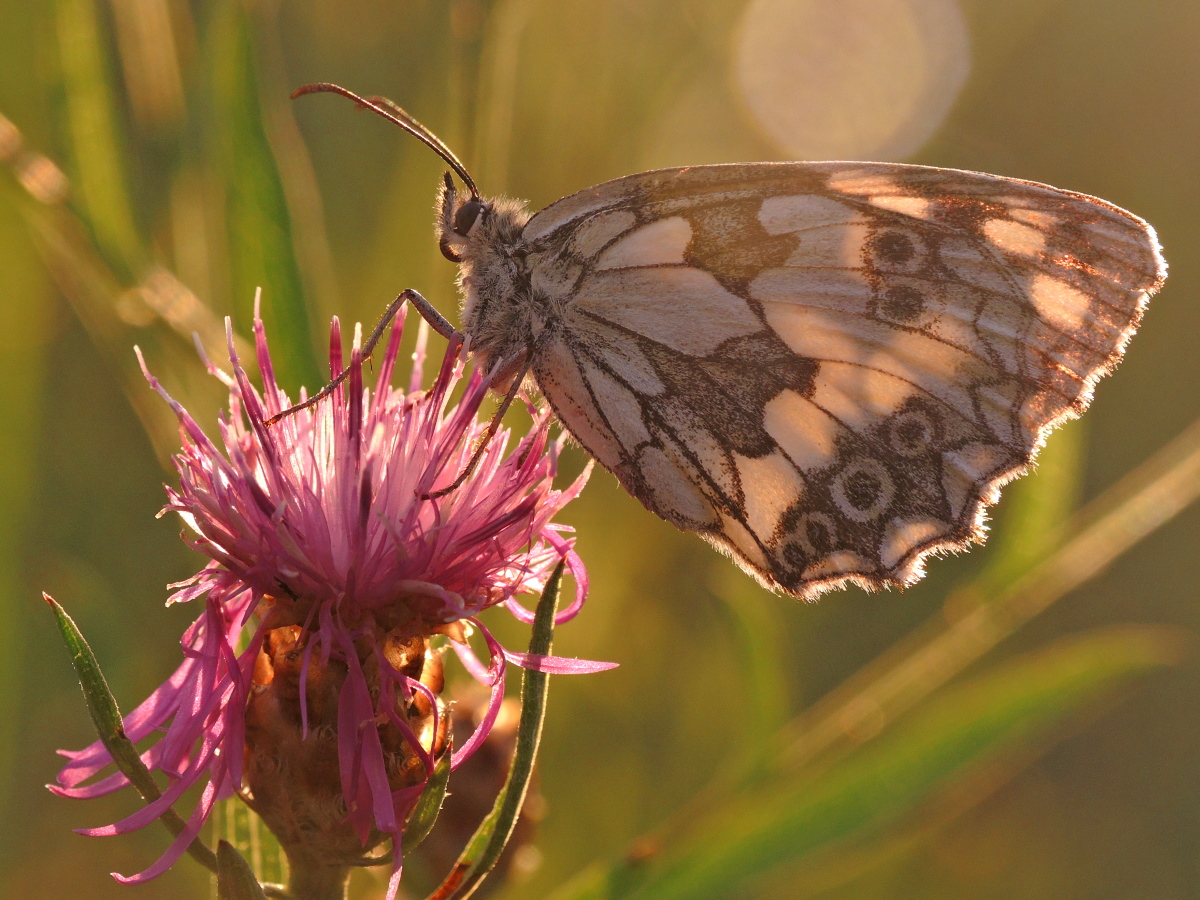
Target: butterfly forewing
[(829, 369)]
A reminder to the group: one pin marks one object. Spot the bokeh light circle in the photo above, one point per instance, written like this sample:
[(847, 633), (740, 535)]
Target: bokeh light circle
[(853, 79)]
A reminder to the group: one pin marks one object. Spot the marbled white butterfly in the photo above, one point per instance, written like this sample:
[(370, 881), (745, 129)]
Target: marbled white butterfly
[(828, 369)]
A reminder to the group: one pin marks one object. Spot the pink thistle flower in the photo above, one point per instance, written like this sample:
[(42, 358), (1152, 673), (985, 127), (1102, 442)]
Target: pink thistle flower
[(332, 569)]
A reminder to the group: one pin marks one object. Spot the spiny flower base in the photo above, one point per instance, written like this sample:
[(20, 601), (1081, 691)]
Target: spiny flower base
[(292, 777)]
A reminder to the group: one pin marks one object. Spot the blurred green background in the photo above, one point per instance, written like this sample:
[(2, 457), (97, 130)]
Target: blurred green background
[(1065, 763)]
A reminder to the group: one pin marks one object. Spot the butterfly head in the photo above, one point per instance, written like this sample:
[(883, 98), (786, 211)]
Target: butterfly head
[(484, 236), (458, 218)]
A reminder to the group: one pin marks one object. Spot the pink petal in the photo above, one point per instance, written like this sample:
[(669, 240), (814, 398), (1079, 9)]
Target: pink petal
[(557, 665)]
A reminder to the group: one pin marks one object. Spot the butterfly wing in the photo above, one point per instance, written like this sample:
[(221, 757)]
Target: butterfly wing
[(829, 369)]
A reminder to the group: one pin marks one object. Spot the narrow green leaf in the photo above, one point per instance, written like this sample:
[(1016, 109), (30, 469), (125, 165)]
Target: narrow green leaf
[(429, 804), (969, 723), (26, 318), (606, 881), (235, 879), (231, 820), (489, 840), (1035, 510), (952, 737), (97, 151), (261, 247), (110, 727), (971, 625), (760, 661), (101, 704)]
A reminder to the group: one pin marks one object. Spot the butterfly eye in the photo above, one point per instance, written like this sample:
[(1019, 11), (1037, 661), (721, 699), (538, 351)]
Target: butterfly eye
[(466, 215)]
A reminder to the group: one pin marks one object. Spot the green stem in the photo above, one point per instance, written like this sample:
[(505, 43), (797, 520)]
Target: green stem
[(489, 840)]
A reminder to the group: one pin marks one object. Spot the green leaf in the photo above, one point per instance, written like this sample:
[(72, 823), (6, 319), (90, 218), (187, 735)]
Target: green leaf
[(1035, 510), (97, 151), (110, 727), (490, 838), (952, 737), (261, 248), (26, 317), (101, 704), (235, 880), (760, 661), (231, 820), (972, 624), (429, 804)]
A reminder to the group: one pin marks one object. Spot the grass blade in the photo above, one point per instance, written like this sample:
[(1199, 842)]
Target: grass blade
[(489, 840), (954, 737), (102, 301), (97, 152), (26, 319), (913, 669), (239, 826), (110, 727), (762, 668), (261, 248), (1036, 509)]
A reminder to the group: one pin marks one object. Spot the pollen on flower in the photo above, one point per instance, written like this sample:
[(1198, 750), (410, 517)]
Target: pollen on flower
[(311, 682)]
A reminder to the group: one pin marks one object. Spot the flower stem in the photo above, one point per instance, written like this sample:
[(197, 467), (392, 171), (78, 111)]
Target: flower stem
[(315, 881)]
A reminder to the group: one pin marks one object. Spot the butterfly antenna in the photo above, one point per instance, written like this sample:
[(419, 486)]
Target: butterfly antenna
[(398, 116)]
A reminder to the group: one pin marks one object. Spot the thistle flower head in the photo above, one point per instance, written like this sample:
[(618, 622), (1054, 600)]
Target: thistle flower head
[(309, 683)]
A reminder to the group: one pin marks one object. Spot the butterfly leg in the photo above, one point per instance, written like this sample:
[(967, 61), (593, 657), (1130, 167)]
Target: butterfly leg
[(435, 319), (518, 366)]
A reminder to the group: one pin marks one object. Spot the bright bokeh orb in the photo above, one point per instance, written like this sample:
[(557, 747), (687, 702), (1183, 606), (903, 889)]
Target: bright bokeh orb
[(855, 79)]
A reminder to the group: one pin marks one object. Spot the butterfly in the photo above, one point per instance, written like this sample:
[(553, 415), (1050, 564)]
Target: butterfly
[(827, 370)]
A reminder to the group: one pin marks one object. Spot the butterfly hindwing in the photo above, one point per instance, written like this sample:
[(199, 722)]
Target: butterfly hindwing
[(829, 369)]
